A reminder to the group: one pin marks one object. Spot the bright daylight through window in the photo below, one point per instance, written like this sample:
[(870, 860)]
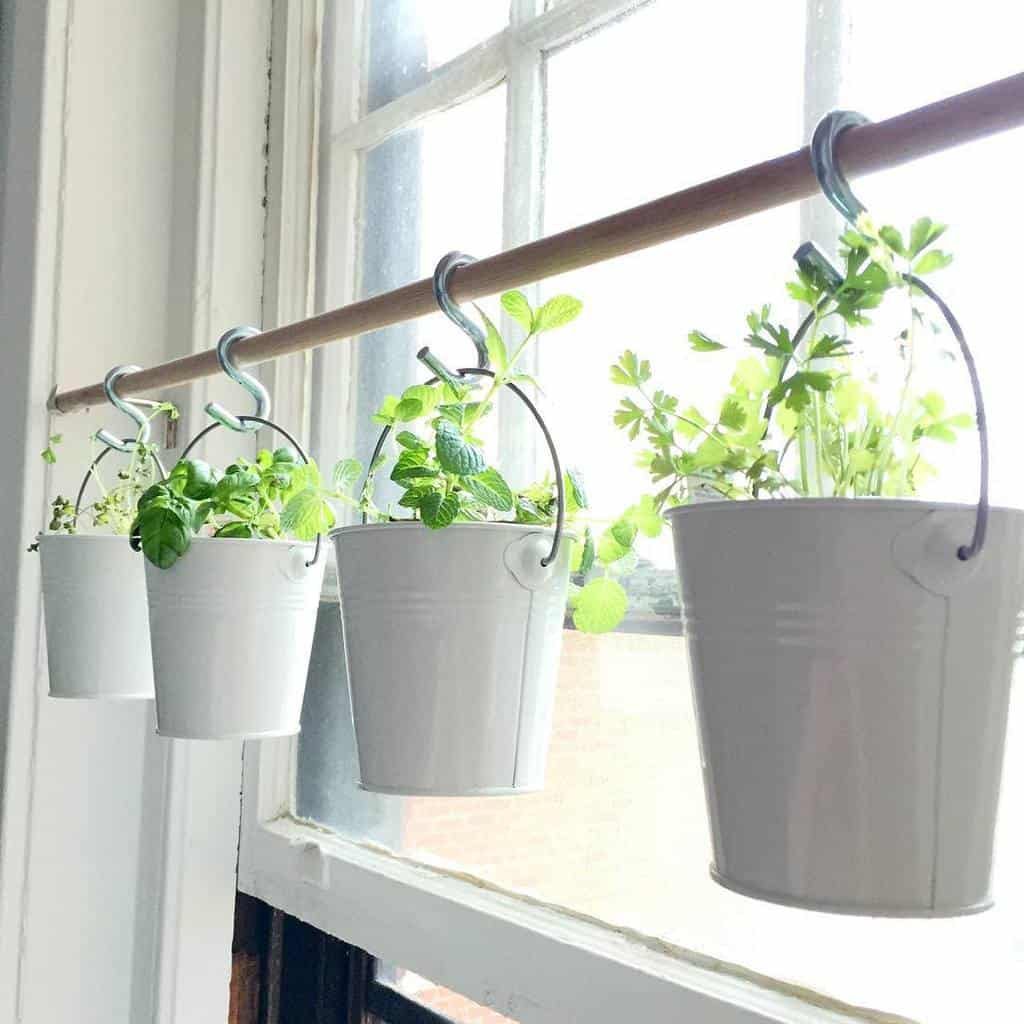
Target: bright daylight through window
[(454, 148)]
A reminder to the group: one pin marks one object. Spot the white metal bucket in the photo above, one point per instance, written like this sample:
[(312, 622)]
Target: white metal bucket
[(97, 629), (452, 641), (232, 629), (851, 681)]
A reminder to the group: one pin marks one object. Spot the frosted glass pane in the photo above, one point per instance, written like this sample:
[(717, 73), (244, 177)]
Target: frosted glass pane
[(408, 39), (422, 196)]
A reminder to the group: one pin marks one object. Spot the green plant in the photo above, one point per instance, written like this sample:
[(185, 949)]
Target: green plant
[(114, 508), (438, 458), (276, 496), (798, 419)]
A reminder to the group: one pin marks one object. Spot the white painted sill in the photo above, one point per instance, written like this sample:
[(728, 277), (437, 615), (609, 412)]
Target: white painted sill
[(531, 961)]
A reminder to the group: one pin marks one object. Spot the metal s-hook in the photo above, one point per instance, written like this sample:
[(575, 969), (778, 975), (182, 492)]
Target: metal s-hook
[(452, 310), (826, 167), (810, 259), (129, 408), (239, 376)]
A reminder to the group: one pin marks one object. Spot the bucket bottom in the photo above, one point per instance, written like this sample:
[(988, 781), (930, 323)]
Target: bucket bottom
[(428, 791), (850, 909), (100, 697), (230, 735)]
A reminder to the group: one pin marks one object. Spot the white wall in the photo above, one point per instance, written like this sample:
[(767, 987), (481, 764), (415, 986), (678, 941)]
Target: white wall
[(132, 222)]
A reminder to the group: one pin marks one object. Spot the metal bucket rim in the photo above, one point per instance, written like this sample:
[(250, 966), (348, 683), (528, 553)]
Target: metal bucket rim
[(875, 504), (523, 528)]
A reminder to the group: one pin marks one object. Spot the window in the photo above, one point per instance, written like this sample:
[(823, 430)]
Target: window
[(480, 131)]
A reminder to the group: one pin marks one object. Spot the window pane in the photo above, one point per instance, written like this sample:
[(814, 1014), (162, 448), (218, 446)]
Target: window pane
[(620, 831), (450, 1005), (421, 198), (614, 141), (408, 39)]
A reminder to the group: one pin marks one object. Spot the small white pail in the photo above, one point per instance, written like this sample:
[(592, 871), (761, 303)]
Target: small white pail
[(452, 642), (97, 628), (232, 629), (851, 679)]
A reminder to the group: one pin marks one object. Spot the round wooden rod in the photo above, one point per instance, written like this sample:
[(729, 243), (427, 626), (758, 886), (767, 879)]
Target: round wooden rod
[(992, 108)]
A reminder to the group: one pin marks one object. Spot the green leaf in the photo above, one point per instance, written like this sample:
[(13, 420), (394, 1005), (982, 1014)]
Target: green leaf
[(496, 350), (893, 239), (438, 510), (455, 453), (932, 261), (753, 375), (515, 304), (490, 488), (733, 416), (630, 371), (407, 439), (582, 558), (196, 479), (412, 465), (236, 530), (700, 342), (48, 455), (346, 473), (556, 312), (413, 498), (307, 514), (600, 606), (923, 233), (385, 414), (575, 492), (164, 534), (417, 401), (829, 345), (646, 516), (236, 492), (624, 531), (817, 380), (285, 456), (609, 550), (525, 378)]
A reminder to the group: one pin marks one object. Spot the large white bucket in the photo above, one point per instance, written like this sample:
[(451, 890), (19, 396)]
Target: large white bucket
[(97, 628), (232, 629), (851, 680), (452, 641)]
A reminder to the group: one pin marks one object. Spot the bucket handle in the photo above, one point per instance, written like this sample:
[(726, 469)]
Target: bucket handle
[(253, 423), (480, 371), (128, 442), (838, 192)]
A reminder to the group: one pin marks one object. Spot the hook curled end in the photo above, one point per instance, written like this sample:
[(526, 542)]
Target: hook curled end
[(239, 376), (451, 309), (128, 408), (826, 167)]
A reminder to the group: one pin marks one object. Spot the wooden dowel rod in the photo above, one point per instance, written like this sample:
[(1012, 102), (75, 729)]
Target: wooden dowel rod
[(992, 108)]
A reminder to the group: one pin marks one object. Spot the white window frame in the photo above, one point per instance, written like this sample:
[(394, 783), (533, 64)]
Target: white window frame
[(530, 961)]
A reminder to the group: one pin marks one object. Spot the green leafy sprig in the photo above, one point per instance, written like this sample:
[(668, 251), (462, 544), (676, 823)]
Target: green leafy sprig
[(114, 508), (277, 496), (798, 420), (440, 463)]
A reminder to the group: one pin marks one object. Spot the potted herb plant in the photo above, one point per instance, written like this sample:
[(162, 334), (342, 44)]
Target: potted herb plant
[(233, 579), (453, 599), (94, 592), (850, 644)]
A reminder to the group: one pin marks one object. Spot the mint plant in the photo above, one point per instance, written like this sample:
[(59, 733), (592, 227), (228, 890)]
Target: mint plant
[(799, 420), (114, 508), (276, 496), (439, 461)]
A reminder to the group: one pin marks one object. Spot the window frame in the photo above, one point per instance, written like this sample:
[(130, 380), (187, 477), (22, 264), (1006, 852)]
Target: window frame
[(530, 961)]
